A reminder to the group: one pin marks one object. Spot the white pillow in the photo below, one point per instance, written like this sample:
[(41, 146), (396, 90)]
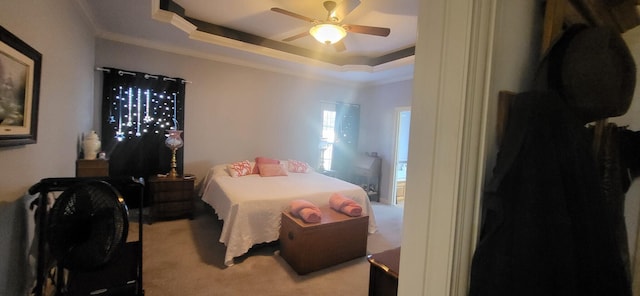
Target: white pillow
[(239, 169), (296, 166)]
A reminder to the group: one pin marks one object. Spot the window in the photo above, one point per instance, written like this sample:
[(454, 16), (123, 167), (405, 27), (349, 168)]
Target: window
[(328, 135), (339, 139)]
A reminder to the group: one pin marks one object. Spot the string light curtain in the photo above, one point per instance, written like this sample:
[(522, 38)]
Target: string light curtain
[(137, 109)]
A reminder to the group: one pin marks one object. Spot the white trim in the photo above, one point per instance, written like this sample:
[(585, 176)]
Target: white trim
[(311, 73), (473, 160), (171, 18), (446, 149), (289, 57), (326, 74), (88, 16)]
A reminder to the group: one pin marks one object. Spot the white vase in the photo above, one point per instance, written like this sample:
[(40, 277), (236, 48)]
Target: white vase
[(91, 145)]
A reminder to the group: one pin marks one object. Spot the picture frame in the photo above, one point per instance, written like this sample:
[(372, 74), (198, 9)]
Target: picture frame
[(20, 68)]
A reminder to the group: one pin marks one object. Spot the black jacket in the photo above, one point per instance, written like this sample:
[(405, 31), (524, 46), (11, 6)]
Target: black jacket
[(545, 230)]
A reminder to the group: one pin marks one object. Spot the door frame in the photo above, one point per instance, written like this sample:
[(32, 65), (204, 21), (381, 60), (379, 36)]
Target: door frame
[(448, 123), (394, 164)]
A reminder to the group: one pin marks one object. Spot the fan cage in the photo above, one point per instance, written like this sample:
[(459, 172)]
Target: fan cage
[(88, 226)]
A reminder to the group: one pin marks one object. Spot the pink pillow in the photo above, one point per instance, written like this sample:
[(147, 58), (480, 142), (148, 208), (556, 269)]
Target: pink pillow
[(296, 166), (266, 160), (239, 169), (271, 170)]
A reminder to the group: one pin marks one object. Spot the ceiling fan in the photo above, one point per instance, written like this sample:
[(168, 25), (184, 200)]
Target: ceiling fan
[(331, 30)]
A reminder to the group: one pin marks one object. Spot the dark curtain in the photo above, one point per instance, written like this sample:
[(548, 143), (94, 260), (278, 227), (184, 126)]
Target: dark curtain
[(346, 142), (137, 109)]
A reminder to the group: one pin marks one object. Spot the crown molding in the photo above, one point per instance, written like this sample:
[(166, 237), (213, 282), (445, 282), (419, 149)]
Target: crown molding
[(309, 72)]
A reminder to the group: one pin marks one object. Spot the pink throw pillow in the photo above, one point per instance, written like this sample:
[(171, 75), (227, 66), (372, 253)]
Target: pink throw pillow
[(265, 160), (296, 166), (271, 170), (240, 168)]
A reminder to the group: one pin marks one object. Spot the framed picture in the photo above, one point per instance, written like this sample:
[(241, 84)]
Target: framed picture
[(20, 67)]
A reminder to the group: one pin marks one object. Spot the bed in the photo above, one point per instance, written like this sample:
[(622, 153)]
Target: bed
[(251, 205)]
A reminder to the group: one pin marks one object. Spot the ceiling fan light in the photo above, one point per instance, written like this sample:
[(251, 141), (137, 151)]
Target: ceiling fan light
[(328, 33)]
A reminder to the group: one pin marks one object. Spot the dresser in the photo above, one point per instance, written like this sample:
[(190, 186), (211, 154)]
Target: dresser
[(171, 197), (366, 173)]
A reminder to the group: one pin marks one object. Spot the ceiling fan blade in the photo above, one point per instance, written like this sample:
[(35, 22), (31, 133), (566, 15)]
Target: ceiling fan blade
[(378, 31), (339, 46), (293, 14), (294, 37), (344, 8)]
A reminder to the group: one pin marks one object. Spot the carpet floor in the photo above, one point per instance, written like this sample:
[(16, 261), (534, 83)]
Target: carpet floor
[(184, 257)]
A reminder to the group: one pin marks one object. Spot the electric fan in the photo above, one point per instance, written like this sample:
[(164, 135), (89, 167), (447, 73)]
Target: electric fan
[(87, 226)]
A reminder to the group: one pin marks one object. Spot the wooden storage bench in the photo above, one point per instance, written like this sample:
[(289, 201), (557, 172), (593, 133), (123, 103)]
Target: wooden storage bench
[(308, 247)]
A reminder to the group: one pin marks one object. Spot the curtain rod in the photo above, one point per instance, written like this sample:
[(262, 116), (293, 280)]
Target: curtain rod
[(147, 76)]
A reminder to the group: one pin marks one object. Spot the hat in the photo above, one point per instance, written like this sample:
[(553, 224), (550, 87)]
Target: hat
[(593, 70)]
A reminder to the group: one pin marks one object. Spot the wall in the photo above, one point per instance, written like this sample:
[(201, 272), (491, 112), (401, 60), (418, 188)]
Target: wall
[(632, 120), (62, 36), (377, 125), (235, 112), (67, 47), (517, 46)]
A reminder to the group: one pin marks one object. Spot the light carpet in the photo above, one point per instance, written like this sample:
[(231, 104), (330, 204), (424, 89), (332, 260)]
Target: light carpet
[(184, 257)]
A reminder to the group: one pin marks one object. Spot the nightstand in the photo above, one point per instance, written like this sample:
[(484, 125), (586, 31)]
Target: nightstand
[(171, 197), (92, 168)]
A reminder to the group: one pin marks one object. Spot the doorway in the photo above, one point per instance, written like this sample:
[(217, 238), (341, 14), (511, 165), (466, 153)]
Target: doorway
[(399, 169)]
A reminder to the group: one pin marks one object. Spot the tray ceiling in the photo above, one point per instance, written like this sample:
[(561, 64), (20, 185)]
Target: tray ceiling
[(250, 33)]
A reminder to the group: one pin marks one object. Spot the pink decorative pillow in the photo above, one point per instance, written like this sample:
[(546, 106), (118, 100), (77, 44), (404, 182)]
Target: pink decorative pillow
[(239, 169), (266, 160), (271, 170), (296, 166)]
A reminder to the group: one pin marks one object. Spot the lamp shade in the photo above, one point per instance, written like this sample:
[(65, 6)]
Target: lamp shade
[(328, 33), (174, 141)]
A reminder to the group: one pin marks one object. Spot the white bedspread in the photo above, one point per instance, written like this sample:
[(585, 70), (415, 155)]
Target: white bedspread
[(251, 206)]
